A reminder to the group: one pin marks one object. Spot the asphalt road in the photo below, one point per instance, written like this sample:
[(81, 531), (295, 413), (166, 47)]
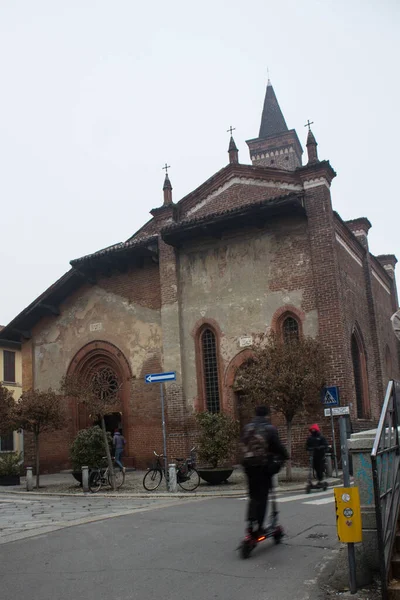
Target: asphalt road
[(180, 550)]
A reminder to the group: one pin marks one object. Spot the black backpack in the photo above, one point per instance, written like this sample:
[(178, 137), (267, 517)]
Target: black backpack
[(255, 445)]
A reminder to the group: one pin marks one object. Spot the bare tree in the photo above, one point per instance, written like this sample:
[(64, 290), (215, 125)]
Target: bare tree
[(99, 392), (286, 374), (38, 412)]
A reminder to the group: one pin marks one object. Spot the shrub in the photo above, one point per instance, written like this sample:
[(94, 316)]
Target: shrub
[(218, 436), (87, 449), (10, 463)]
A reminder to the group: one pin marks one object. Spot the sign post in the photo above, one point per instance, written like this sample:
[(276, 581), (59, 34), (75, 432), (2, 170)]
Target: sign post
[(162, 378), (330, 397), (353, 531)]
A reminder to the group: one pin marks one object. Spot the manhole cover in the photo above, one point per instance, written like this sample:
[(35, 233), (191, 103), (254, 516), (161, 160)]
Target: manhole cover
[(317, 536)]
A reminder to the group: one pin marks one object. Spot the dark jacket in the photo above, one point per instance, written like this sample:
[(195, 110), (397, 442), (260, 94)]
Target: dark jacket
[(274, 445), (317, 444), (118, 441)]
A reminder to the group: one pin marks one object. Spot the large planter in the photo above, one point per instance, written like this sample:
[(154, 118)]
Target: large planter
[(215, 476), (10, 480), (78, 476)]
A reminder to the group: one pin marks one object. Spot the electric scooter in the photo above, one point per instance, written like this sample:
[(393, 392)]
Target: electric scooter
[(319, 485), (273, 530)]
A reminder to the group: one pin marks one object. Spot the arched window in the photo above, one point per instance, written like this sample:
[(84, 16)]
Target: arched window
[(210, 370), (290, 329), (360, 376)]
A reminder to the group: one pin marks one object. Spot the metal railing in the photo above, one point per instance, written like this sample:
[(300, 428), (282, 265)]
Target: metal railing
[(385, 459)]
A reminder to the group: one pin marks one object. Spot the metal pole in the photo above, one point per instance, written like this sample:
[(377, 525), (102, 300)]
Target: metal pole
[(346, 483), (334, 444), (163, 427)]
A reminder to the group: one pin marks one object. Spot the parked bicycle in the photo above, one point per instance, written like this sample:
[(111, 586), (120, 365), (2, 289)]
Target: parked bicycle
[(101, 476), (186, 474)]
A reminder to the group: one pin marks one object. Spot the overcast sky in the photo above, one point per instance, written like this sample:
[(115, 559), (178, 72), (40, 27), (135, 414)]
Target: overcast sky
[(97, 94)]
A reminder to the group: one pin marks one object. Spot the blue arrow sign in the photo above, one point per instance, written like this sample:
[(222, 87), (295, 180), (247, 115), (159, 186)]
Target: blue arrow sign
[(330, 396), (160, 377)]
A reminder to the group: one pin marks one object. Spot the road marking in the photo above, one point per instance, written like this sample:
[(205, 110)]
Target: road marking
[(282, 499), (321, 501), (301, 496)]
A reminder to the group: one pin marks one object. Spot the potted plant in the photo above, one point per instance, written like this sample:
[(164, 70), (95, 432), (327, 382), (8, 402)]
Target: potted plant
[(87, 449), (216, 445), (10, 468)]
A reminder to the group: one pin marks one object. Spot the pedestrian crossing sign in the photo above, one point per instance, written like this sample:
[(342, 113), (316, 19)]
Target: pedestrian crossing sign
[(330, 396)]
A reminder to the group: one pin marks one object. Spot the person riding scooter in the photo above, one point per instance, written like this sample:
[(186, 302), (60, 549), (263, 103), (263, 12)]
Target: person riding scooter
[(317, 445)]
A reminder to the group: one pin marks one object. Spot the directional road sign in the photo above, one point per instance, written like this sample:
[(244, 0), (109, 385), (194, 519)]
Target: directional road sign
[(330, 396), (337, 411), (160, 377)]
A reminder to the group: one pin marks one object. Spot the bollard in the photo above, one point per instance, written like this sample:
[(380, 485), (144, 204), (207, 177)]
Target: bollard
[(172, 483), (328, 464), (85, 479), (29, 479)]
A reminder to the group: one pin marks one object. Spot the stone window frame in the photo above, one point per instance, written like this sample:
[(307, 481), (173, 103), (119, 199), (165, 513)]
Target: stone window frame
[(280, 317), (197, 333)]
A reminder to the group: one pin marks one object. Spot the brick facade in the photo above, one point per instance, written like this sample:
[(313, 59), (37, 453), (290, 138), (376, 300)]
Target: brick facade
[(251, 245)]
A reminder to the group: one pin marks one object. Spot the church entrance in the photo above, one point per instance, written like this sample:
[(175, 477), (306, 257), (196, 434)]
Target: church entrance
[(106, 364), (112, 421)]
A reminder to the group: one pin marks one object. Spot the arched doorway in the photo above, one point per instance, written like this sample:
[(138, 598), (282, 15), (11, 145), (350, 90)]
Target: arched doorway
[(240, 406), (100, 358)]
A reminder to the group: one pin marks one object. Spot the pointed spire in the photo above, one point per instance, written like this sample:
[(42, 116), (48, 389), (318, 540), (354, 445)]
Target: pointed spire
[(233, 151), (167, 187), (311, 146), (272, 120)]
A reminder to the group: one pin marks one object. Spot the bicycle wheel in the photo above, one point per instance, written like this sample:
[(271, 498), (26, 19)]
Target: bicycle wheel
[(119, 478), (191, 481), (95, 481), (152, 479)]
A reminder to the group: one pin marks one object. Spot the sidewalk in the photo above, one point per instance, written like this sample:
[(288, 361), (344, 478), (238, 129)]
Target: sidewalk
[(63, 484)]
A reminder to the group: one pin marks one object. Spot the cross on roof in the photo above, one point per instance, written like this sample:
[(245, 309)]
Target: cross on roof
[(308, 124), (166, 167), (230, 129)]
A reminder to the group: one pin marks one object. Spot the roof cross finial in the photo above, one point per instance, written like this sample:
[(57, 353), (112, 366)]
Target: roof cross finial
[(166, 167), (269, 79), (308, 124), (230, 129)]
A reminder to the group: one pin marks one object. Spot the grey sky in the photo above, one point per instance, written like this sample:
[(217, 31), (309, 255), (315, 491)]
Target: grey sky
[(97, 95)]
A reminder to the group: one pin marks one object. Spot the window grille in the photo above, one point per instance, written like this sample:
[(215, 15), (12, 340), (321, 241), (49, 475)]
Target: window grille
[(210, 365), (7, 443), (290, 329)]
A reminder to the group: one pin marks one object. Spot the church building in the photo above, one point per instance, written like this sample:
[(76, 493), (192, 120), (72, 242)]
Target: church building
[(257, 247)]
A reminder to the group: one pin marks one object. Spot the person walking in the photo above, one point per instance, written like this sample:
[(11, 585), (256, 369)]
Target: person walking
[(263, 455), (119, 443)]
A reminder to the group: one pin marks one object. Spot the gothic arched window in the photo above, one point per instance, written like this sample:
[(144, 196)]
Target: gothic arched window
[(388, 365), (210, 370), (290, 329), (360, 376)]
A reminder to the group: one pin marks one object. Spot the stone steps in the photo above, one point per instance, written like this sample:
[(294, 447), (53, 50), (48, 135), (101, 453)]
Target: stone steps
[(394, 590), (394, 585), (396, 566)]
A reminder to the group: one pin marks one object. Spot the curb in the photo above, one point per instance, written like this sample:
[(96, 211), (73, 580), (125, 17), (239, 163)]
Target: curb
[(217, 494)]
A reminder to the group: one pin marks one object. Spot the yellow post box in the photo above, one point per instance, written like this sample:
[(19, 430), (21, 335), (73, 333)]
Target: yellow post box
[(348, 514)]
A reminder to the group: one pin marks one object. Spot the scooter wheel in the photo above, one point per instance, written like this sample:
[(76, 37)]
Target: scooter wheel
[(308, 489), (278, 535), (245, 550), (325, 486)]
